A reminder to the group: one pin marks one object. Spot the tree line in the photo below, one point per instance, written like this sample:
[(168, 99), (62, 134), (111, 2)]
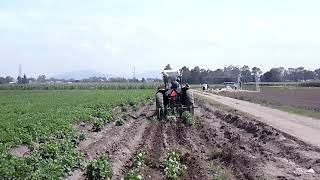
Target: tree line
[(44, 79), (247, 74), (197, 75)]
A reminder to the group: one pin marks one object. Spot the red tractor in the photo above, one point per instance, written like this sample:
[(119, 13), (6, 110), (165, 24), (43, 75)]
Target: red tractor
[(173, 98)]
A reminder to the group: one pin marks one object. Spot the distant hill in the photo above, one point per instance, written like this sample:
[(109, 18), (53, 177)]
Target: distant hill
[(82, 74), (149, 74), (140, 75)]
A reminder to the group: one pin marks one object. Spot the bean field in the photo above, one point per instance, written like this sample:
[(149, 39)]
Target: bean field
[(38, 126)]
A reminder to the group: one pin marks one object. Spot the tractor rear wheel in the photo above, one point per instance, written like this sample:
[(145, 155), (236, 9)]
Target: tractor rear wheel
[(159, 105), (189, 98), (190, 101)]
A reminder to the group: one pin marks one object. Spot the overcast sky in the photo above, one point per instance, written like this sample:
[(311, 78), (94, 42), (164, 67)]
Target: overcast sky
[(111, 36)]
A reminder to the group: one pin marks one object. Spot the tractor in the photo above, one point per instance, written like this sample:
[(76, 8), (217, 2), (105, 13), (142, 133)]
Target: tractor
[(172, 98)]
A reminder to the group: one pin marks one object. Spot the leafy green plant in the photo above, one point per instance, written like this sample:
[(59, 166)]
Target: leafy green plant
[(172, 118), (103, 114), (50, 150), (140, 158), (125, 117), (173, 166), (98, 125), (138, 161), (188, 118), (119, 122), (99, 169), (135, 108), (82, 137), (124, 109), (133, 174), (132, 103)]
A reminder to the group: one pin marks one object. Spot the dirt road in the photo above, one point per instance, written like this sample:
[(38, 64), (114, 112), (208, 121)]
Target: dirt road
[(301, 127)]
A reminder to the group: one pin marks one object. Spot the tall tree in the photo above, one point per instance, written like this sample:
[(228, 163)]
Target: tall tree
[(168, 67), (9, 79), (195, 75), (256, 72), (19, 80), (309, 75), (25, 80), (274, 75), (186, 74), (2, 80), (246, 74), (41, 79), (317, 71)]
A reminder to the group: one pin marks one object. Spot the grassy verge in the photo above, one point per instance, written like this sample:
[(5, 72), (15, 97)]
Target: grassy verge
[(297, 110)]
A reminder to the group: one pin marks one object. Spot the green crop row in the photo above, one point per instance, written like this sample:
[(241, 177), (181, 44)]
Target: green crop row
[(43, 121), (78, 86)]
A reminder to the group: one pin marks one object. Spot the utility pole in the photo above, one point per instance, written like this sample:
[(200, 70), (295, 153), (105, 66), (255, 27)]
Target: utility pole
[(134, 72), (257, 78), (20, 70), (239, 81)]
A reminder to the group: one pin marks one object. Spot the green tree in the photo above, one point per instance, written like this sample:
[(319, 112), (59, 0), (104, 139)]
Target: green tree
[(256, 72), (2, 80), (9, 79), (19, 80), (246, 74), (195, 75), (186, 75), (309, 75), (274, 75), (317, 71), (25, 80), (41, 79), (168, 67)]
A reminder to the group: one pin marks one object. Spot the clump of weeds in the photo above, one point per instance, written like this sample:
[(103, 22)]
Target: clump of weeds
[(138, 161), (99, 169), (173, 166), (188, 118)]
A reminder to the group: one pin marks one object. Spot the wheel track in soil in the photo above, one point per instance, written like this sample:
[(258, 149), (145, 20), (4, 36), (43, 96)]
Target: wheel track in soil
[(118, 142), (154, 145), (160, 137), (194, 154)]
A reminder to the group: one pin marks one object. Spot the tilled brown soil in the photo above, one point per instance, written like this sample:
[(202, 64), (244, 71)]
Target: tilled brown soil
[(119, 142), (241, 146), (306, 98), (253, 150)]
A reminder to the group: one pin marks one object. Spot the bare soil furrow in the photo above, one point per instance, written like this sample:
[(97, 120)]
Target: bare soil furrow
[(119, 142), (252, 144), (222, 143), (155, 151)]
